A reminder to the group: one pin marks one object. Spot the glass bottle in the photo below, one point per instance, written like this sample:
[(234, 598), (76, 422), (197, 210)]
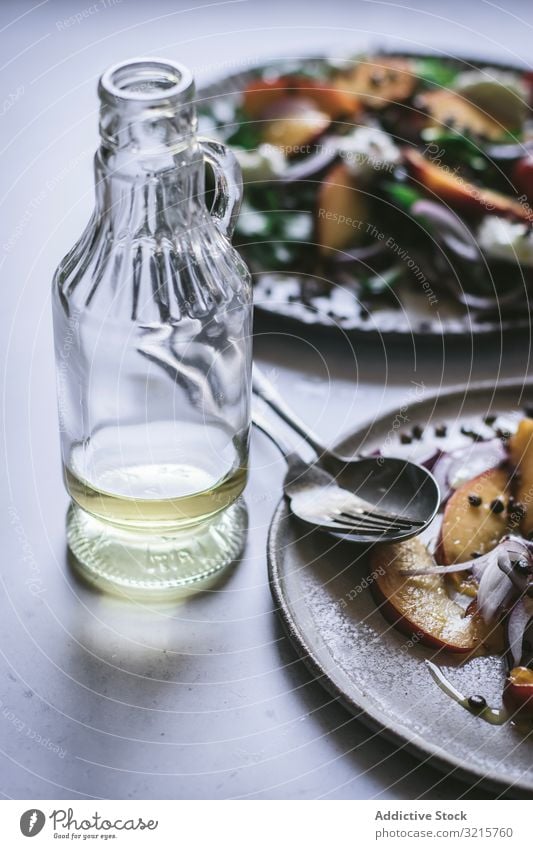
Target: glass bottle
[(152, 323)]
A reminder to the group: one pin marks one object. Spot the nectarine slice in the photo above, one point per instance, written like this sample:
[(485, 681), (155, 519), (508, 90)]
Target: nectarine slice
[(379, 81), (260, 95), (342, 214), (518, 691), (294, 123), (329, 98), (454, 190), (450, 109), (419, 605), (476, 517), (521, 456)]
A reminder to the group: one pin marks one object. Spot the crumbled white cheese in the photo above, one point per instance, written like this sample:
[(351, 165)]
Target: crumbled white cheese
[(492, 77), (503, 239), (367, 150), (261, 164)]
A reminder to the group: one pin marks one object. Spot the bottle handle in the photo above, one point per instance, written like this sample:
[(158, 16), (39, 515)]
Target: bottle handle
[(228, 184)]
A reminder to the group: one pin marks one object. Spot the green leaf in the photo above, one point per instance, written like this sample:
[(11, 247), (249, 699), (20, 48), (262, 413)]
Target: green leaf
[(376, 284), (402, 193), (435, 72), (247, 134)]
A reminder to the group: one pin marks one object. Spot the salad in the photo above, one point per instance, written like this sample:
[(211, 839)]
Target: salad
[(384, 174), (471, 590)]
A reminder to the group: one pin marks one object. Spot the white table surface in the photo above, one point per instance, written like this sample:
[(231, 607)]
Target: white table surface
[(205, 699)]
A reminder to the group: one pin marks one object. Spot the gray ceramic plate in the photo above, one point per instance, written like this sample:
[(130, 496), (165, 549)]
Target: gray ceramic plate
[(327, 608), (304, 302)]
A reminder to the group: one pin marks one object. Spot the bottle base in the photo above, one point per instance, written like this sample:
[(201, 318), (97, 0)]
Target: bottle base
[(155, 566)]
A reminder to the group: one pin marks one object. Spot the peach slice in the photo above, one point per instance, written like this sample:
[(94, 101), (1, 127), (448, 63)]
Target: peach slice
[(476, 517), (522, 176), (450, 109), (260, 95), (379, 81), (454, 190), (342, 213), (327, 96), (521, 456), (518, 691), (293, 123), (419, 605)]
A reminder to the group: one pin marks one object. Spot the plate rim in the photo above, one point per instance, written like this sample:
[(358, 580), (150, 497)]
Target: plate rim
[(486, 330), (371, 716)]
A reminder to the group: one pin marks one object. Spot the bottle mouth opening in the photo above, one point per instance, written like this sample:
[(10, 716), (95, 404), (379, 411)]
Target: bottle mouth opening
[(145, 80)]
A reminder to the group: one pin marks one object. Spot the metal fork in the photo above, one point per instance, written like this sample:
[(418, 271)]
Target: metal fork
[(316, 499)]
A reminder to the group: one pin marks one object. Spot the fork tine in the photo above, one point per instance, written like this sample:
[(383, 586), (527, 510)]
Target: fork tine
[(373, 523), (391, 518), (365, 524), (354, 528)]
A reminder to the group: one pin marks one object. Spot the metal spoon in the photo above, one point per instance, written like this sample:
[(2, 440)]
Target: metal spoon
[(316, 498), (389, 484)]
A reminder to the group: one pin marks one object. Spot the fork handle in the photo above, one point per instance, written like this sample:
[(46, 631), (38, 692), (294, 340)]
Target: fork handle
[(262, 387), (297, 467)]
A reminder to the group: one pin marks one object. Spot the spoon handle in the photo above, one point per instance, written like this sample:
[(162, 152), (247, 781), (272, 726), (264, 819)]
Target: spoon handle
[(262, 387), (289, 454)]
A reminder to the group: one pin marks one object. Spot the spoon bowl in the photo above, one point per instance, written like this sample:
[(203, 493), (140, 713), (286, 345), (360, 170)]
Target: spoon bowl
[(392, 484)]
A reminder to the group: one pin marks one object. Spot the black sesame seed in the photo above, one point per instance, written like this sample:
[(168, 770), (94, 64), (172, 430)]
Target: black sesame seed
[(405, 439), (498, 505), (441, 430), (477, 702), (504, 435), (417, 431), (489, 420), (474, 499)]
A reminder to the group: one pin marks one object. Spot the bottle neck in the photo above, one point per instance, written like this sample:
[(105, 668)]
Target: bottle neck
[(149, 170), (134, 199)]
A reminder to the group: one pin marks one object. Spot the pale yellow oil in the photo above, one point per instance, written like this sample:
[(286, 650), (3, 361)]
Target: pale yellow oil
[(156, 476), (155, 497)]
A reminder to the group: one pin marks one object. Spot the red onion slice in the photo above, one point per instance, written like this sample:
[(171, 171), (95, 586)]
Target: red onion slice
[(452, 233), (469, 462), (448, 228), (495, 589), (454, 468), (519, 618)]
